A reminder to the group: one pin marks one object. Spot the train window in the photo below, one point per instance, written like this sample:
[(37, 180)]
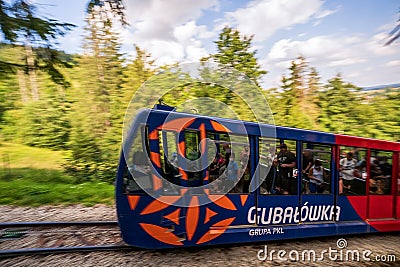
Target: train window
[(241, 155), (138, 166), (316, 168), (169, 161), (381, 172), (352, 171), (282, 175), (230, 163), (267, 153)]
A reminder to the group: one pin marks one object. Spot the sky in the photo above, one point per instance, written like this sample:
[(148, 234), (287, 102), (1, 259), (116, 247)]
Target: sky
[(335, 36)]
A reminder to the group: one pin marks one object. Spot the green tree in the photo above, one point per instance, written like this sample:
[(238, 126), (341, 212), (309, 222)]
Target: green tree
[(136, 73), (107, 10), (235, 51), (294, 107), (96, 100), (20, 25), (337, 102)]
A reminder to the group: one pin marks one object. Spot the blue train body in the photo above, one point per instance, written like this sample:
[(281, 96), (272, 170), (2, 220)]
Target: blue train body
[(155, 217)]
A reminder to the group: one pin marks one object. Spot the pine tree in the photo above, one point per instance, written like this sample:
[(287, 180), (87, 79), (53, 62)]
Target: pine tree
[(97, 98), (337, 102), (235, 51)]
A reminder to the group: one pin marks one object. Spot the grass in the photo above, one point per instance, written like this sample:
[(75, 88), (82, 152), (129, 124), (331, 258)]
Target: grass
[(34, 177)]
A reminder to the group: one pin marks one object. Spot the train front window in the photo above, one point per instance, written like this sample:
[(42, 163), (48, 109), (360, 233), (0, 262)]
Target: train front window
[(137, 175)]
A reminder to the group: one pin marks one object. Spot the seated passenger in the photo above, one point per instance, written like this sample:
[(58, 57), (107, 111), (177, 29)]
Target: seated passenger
[(139, 176)]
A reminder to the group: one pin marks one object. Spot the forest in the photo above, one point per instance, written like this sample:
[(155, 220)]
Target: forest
[(76, 103)]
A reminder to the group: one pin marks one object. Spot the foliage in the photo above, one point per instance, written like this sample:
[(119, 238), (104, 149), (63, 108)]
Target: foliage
[(97, 118), (83, 121), (21, 26), (235, 51), (114, 9), (337, 103)]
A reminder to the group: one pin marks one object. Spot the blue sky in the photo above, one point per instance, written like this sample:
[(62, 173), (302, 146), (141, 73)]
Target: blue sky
[(345, 36)]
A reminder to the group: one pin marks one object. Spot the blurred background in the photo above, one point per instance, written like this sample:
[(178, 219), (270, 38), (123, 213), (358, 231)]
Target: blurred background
[(68, 70)]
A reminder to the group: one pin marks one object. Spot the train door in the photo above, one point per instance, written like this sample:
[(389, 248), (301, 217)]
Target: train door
[(278, 198), (317, 201), (381, 199), (352, 177)]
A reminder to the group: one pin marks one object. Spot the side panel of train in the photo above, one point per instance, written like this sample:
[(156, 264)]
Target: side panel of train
[(261, 206)]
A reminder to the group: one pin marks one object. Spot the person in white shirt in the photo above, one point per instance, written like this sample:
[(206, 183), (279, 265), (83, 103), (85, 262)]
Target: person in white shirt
[(316, 175), (346, 168)]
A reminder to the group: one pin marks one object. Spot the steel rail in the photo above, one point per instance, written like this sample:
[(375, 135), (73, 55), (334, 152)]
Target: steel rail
[(59, 250)]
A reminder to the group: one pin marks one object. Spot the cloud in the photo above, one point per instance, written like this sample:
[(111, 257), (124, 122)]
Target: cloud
[(376, 45), (262, 18), (168, 29), (318, 48), (351, 55), (393, 63)]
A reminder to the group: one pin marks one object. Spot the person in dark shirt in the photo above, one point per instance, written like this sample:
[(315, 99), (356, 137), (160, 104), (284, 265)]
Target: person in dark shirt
[(286, 163)]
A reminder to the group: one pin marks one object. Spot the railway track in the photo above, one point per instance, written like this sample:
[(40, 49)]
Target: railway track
[(31, 238)]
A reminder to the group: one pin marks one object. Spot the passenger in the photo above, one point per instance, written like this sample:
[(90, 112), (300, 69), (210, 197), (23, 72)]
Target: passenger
[(214, 169), (244, 156), (245, 166), (362, 169), (220, 160), (139, 171), (232, 174), (221, 164), (286, 163), (346, 168), (307, 163), (375, 174), (375, 169), (214, 174), (227, 149), (245, 180), (316, 175), (270, 180), (385, 166)]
